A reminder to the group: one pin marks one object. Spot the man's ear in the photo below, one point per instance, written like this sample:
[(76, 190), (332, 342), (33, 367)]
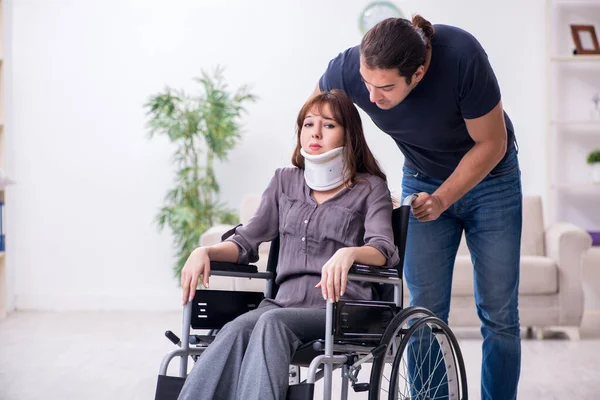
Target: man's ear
[(418, 75)]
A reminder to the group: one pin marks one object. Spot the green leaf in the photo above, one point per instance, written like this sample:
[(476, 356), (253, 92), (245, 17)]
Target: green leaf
[(203, 126), (594, 157)]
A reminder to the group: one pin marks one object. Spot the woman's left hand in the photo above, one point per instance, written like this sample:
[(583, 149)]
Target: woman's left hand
[(334, 274)]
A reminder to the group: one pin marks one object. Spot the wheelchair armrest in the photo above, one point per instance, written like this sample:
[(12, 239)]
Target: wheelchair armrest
[(233, 267), (360, 272), (221, 268), (361, 269)]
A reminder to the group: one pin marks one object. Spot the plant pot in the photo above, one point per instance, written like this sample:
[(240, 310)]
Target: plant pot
[(596, 172)]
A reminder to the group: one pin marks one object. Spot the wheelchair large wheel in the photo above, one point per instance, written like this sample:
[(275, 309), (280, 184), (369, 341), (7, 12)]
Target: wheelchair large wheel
[(421, 360)]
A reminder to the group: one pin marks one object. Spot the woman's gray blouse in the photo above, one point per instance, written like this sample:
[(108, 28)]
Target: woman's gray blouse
[(311, 233)]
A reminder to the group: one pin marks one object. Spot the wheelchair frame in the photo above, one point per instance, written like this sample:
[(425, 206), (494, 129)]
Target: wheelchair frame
[(328, 359)]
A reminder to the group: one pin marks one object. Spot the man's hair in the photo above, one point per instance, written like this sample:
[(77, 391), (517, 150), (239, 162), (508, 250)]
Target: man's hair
[(397, 43)]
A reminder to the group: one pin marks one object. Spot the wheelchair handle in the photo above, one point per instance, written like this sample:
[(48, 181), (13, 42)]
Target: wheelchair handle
[(400, 218), (409, 199), (173, 338)]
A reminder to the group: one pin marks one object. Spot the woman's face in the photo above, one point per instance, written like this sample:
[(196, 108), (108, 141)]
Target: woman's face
[(320, 133)]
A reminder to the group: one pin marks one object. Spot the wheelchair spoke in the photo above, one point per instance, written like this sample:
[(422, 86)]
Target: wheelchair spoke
[(420, 369), (432, 375), (441, 359), (425, 375), (406, 389), (439, 386), (426, 387), (424, 364)]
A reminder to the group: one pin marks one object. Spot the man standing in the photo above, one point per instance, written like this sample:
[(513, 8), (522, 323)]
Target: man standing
[(432, 89)]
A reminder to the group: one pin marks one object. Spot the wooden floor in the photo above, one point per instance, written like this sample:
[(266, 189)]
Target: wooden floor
[(116, 355)]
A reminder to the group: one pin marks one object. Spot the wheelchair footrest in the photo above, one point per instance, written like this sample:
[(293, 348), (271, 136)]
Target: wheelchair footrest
[(302, 391), (361, 387), (168, 387)]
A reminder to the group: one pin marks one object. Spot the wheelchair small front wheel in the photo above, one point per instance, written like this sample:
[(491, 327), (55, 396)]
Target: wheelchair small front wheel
[(422, 361)]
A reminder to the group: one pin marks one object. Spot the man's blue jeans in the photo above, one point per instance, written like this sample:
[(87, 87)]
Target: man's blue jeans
[(491, 217)]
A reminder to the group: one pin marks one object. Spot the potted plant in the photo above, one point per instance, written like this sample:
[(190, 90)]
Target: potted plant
[(594, 160), (202, 127)]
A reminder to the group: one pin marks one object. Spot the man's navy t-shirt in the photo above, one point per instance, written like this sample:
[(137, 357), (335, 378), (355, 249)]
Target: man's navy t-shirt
[(428, 125)]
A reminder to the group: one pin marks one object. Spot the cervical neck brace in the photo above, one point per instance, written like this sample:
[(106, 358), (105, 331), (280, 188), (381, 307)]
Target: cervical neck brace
[(324, 171)]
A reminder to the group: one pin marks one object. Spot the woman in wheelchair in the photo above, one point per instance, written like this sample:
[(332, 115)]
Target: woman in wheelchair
[(331, 210)]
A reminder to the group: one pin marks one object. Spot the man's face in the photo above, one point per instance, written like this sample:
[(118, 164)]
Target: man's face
[(386, 87)]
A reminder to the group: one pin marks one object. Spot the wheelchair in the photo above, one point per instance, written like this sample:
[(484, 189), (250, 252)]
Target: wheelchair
[(413, 354)]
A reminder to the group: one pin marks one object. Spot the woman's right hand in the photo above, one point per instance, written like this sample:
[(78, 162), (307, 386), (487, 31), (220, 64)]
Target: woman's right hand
[(197, 264)]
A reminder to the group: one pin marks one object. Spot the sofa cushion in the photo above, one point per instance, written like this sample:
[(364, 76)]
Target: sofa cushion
[(539, 276), (532, 237), (250, 203)]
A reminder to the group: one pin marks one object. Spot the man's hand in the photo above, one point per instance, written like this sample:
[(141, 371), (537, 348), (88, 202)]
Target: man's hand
[(334, 274), (427, 207)]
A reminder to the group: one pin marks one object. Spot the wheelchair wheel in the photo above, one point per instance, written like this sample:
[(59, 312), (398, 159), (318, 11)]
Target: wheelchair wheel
[(421, 360)]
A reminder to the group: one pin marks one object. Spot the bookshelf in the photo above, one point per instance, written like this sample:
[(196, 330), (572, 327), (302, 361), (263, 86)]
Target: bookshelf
[(3, 275), (573, 126)]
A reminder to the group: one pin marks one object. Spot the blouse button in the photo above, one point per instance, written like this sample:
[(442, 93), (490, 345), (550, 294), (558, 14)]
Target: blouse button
[(306, 221), (303, 238)]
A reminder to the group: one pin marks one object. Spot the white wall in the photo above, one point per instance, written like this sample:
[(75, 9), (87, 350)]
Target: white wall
[(89, 180)]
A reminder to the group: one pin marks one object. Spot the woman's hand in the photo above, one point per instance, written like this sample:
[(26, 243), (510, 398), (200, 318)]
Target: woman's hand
[(198, 263), (335, 274)]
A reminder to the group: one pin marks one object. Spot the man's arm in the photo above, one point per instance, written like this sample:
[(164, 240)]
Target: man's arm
[(489, 134)]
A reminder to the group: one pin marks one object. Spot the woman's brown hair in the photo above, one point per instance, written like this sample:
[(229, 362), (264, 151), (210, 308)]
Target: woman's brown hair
[(397, 43), (357, 154)]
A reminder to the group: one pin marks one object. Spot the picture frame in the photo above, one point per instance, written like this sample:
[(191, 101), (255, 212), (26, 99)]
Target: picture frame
[(585, 39)]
